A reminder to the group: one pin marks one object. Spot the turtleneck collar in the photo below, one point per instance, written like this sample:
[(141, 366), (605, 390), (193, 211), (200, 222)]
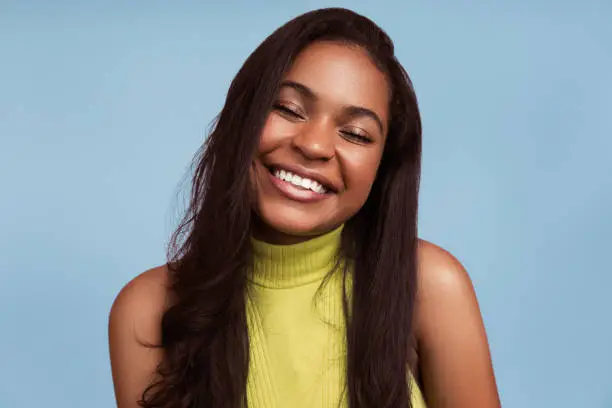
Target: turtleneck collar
[(286, 266)]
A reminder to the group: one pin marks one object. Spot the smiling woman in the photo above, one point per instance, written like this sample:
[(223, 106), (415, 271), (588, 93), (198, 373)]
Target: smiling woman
[(328, 126), (297, 278)]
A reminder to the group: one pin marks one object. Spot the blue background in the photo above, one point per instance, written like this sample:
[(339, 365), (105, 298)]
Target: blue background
[(103, 105)]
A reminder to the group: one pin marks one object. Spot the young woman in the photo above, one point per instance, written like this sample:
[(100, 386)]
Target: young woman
[(296, 278)]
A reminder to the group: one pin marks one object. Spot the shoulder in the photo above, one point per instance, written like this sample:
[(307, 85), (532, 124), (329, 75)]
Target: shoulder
[(445, 290), (453, 349), (141, 302), (134, 327), (440, 272), (152, 281)]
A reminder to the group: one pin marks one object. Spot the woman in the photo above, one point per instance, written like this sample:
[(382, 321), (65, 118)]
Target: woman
[(299, 280)]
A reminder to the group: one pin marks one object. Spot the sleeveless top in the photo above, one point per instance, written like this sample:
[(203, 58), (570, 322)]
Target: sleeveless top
[(297, 328)]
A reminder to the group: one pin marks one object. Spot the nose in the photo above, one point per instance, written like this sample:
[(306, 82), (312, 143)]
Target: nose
[(315, 141)]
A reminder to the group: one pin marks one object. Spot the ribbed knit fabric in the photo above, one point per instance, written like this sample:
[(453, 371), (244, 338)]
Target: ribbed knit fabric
[(297, 327)]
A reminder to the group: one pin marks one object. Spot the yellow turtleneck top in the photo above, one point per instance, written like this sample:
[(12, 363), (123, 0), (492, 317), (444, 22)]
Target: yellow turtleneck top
[(297, 327)]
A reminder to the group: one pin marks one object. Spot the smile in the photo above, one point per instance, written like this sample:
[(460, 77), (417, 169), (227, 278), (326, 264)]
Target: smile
[(299, 181), (297, 187)]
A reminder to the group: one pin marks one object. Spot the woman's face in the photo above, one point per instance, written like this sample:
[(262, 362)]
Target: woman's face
[(321, 145)]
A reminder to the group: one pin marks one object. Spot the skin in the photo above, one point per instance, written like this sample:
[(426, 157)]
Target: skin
[(330, 117), (452, 352)]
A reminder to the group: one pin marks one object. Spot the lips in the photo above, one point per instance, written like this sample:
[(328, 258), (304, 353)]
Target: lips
[(304, 173), (294, 193), (299, 181)]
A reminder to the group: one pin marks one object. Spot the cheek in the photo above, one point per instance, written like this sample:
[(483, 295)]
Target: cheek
[(360, 173), (275, 130)]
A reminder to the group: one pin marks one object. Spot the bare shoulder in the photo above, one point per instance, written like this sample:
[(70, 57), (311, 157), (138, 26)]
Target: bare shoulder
[(445, 290), (454, 356), (141, 302), (153, 281), (441, 273), (134, 326)]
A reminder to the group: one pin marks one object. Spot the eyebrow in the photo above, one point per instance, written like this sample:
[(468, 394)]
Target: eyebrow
[(351, 110)]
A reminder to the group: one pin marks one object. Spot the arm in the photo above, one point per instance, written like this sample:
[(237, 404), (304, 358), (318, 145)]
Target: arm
[(135, 319), (454, 354)]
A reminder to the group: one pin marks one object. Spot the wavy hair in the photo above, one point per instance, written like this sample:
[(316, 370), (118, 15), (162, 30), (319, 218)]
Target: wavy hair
[(204, 330)]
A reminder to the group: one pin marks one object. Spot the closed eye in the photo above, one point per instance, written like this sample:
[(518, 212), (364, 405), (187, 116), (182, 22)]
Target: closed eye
[(283, 109), (356, 137)]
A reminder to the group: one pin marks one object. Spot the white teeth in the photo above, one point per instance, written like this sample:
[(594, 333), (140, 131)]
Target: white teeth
[(314, 186), (300, 181)]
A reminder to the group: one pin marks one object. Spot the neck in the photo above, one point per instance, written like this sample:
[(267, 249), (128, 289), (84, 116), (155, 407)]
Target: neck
[(287, 265)]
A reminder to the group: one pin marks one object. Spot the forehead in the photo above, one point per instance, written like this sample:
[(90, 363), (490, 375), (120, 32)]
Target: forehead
[(342, 74)]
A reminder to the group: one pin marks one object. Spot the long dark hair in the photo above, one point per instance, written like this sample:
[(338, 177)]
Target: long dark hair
[(204, 331)]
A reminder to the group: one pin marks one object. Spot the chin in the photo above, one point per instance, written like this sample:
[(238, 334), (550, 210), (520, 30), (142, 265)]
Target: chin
[(297, 229), (293, 226), (289, 222)]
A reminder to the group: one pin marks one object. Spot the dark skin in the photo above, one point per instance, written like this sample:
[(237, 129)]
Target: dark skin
[(330, 120)]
